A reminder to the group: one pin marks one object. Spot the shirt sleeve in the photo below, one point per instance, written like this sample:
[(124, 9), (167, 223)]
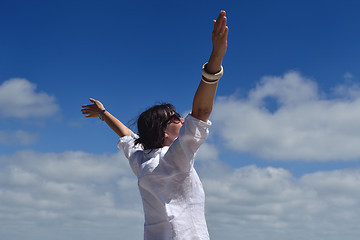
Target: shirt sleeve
[(131, 151), (183, 150)]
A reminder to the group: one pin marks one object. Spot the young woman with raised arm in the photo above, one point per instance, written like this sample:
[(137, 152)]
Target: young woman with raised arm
[(162, 154)]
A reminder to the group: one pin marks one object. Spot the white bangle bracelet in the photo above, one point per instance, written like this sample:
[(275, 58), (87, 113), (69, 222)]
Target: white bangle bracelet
[(209, 76), (208, 82)]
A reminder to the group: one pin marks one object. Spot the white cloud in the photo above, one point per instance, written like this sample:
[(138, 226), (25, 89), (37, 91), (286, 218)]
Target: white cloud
[(291, 89), (207, 153), (19, 99), (300, 123), (348, 76), (270, 203), (76, 195), (68, 195), (17, 137), (347, 91)]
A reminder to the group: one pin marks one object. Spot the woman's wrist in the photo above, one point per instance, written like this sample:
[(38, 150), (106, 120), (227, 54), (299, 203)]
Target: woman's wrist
[(214, 64)]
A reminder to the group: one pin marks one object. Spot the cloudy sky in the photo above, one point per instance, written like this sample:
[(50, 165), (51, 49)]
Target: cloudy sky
[(283, 157)]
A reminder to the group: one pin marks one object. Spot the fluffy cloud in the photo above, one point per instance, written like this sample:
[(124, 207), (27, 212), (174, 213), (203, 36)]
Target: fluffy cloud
[(269, 203), (17, 137), (287, 118), (19, 99), (71, 195), (76, 195)]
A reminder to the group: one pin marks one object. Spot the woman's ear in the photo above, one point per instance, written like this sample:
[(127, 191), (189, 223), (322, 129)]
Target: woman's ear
[(167, 141)]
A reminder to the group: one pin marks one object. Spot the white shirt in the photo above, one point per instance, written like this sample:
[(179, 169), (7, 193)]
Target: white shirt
[(172, 194)]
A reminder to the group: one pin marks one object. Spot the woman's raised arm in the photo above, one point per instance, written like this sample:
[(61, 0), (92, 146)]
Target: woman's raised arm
[(93, 110), (205, 94)]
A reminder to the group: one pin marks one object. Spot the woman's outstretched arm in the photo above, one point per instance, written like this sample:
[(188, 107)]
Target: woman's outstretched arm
[(205, 94), (93, 110)]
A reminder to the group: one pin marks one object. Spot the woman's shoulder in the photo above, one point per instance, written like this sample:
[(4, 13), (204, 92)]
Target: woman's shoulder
[(194, 121)]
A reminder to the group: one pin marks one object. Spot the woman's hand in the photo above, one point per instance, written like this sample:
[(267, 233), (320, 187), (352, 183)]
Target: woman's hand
[(219, 40), (92, 110), (219, 35)]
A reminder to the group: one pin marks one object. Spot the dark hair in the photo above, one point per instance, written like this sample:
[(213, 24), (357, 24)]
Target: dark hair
[(151, 125)]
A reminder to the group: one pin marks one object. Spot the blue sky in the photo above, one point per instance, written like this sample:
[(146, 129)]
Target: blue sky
[(286, 113)]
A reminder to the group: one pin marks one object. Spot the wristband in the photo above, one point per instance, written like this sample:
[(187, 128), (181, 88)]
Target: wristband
[(209, 76), (101, 115)]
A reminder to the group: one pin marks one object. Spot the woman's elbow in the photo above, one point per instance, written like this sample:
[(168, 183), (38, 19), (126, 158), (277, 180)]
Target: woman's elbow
[(202, 113)]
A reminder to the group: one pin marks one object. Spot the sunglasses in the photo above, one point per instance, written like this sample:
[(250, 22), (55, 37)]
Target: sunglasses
[(175, 118)]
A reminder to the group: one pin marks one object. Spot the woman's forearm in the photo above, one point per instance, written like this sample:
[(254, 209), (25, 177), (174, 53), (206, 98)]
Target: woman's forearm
[(96, 109), (214, 64), (117, 126), (205, 94)]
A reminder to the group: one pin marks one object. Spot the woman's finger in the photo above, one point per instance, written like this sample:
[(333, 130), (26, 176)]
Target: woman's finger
[(226, 31), (84, 111), (221, 14), (92, 106), (222, 25)]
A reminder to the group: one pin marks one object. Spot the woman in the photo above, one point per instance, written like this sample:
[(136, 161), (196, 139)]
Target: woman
[(162, 155)]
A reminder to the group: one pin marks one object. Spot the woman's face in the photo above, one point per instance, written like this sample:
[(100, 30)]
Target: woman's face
[(174, 123)]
